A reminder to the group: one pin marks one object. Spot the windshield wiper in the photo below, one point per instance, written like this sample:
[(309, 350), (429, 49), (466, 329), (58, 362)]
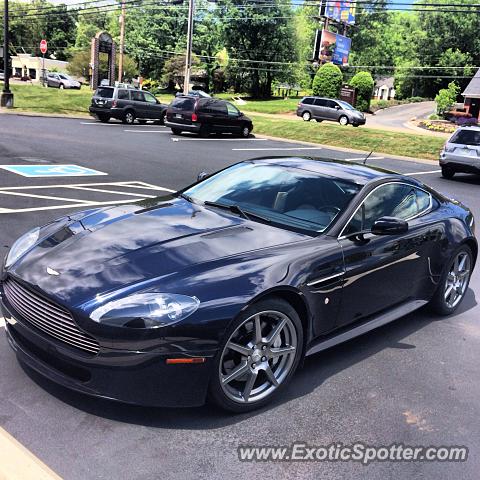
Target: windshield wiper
[(237, 209), (186, 197)]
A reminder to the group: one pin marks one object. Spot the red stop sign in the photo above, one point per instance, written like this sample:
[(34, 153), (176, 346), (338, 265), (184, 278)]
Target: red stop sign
[(43, 46)]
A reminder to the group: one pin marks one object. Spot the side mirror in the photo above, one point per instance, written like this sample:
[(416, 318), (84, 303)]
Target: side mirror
[(337, 107), (202, 175), (389, 226)]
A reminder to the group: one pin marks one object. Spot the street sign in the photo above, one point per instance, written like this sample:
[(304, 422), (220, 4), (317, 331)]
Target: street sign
[(43, 46), (51, 170)]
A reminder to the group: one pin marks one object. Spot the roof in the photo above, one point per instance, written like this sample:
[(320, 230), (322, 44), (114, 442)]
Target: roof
[(349, 171), (387, 81), (473, 88)]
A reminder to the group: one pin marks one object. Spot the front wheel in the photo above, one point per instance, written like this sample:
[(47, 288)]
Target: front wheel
[(306, 116), (447, 172), (343, 120), (454, 282), (245, 132), (259, 356), (61, 86)]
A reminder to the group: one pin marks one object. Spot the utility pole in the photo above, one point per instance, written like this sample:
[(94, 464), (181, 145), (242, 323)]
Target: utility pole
[(6, 98), (188, 60), (122, 43)]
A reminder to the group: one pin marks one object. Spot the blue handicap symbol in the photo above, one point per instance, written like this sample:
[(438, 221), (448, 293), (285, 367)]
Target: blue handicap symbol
[(51, 170)]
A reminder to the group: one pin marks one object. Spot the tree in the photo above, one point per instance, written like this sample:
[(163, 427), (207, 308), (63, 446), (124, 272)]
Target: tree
[(364, 84), (174, 70), (261, 45), (327, 81), (446, 98)]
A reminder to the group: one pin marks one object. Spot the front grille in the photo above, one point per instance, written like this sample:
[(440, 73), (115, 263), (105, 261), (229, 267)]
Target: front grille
[(47, 316)]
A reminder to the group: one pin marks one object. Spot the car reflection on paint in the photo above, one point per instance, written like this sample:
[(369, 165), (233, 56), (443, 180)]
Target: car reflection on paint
[(219, 290)]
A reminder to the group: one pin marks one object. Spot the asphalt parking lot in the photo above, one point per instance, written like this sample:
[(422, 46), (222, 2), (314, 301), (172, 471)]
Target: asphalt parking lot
[(416, 381)]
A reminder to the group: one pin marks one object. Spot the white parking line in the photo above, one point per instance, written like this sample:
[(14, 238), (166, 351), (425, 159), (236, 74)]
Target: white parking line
[(422, 173), (2, 322), (147, 131), (110, 191), (102, 124), (272, 149), (360, 159), (220, 139), (45, 197)]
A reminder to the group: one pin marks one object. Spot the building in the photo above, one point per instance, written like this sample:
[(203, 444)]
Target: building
[(24, 65), (472, 96), (384, 89)]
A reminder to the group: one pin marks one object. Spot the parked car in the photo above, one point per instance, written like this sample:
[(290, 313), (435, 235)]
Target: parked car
[(461, 152), (188, 113), (319, 109), (195, 93), (220, 290), (62, 80), (126, 104)]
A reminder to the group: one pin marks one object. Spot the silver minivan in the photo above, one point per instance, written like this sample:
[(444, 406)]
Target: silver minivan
[(461, 152)]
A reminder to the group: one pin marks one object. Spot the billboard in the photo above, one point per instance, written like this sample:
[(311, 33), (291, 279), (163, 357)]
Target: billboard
[(331, 47), (340, 11)]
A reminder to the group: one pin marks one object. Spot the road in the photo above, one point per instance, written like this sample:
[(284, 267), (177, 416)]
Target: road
[(416, 381), (397, 117)]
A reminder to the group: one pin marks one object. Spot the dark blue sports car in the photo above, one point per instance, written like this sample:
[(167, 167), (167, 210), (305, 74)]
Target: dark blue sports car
[(221, 289)]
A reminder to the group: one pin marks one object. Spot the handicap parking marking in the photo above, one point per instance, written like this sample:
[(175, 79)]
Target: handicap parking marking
[(109, 189), (270, 149), (51, 170)]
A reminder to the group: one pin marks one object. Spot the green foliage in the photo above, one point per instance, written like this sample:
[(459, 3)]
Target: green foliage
[(174, 71), (327, 81), (446, 98), (363, 82)]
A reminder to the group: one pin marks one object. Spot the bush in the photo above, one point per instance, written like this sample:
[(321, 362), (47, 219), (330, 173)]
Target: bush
[(434, 116), (446, 98), (328, 81), (416, 99), (364, 84)]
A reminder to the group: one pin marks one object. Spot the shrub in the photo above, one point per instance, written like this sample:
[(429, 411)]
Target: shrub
[(328, 81), (434, 116), (364, 84), (446, 98), (416, 99)]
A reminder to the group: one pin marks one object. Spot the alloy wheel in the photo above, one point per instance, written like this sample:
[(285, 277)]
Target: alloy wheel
[(258, 356), (343, 120), (457, 279), (306, 116), (129, 118)]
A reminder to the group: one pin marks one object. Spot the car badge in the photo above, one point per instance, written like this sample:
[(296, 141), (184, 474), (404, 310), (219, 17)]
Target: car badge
[(51, 271)]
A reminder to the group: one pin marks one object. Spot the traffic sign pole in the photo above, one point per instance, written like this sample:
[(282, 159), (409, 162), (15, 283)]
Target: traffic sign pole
[(43, 49)]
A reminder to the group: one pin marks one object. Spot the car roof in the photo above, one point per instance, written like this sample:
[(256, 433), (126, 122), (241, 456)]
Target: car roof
[(342, 169)]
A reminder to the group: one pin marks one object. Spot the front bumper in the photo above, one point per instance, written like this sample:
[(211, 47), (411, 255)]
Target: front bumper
[(183, 127), (141, 378), (358, 121)]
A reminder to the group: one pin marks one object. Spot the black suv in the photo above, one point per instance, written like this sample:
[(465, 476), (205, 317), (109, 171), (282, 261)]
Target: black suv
[(126, 104), (206, 115), (319, 109)]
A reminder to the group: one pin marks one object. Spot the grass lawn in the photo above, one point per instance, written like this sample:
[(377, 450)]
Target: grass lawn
[(361, 138)]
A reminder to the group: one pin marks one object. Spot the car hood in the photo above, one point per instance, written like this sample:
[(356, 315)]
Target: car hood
[(105, 250)]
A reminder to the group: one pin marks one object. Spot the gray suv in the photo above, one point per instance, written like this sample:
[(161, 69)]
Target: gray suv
[(319, 109), (461, 152), (126, 104)]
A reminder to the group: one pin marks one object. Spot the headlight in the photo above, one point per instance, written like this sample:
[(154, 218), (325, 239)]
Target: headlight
[(21, 246), (146, 310)]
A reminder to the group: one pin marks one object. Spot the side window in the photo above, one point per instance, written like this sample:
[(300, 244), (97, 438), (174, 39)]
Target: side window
[(391, 200), (122, 94), (331, 104), (149, 98), (232, 110), (218, 108), (320, 102), (307, 101), (137, 96)]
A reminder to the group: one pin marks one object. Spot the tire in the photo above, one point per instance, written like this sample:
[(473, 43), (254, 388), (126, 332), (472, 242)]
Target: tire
[(142, 122), (104, 118), (255, 354), (176, 131), (129, 117), (455, 278), (343, 120), (447, 172), (307, 116), (61, 86), (245, 131)]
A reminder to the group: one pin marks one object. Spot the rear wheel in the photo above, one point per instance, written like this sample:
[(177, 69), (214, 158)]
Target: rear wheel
[(258, 358), (129, 117), (343, 120), (307, 116), (104, 118), (176, 131), (454, 282), (447, 172)]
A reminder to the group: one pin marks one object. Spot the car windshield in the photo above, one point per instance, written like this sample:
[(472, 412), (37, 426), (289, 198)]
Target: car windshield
[(64, 77), (288, 197), (104, 92), (345, 105), (466, 137)]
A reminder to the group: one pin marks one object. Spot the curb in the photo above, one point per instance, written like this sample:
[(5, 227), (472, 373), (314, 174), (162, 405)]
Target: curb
[(4, 111)]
